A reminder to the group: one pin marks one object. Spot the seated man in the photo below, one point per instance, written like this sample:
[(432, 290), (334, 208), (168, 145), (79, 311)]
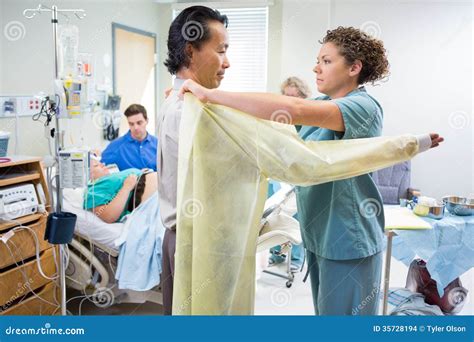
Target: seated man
[(137, 148), (111, 196)]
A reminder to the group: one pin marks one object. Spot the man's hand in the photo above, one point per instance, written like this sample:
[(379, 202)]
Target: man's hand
[(168, 92), (130, 182), (435, 139), (198, 90)]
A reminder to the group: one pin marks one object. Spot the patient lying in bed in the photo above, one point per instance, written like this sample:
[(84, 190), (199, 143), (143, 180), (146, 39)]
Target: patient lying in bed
[(111, 196)]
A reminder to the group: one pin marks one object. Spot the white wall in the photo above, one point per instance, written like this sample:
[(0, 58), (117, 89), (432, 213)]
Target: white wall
[(26, 64), (429, 46)]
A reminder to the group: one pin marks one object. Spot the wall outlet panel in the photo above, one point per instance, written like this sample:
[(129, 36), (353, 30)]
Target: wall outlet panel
[(10, 106)]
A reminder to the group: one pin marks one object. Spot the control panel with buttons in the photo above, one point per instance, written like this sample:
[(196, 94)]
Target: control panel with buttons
[(17, 201)]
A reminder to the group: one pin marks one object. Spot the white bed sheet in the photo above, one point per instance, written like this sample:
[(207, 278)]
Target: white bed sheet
[(88, 224)]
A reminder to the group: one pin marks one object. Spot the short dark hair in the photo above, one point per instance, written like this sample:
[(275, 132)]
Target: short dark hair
[(189, 27), (135, 109)]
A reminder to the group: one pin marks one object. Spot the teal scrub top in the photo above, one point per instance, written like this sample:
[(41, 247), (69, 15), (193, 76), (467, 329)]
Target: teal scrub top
[(104, 189), (336, 218)]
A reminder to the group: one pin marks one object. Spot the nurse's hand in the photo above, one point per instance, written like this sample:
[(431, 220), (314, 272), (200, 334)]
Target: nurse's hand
[(435, 139), (198, 90)]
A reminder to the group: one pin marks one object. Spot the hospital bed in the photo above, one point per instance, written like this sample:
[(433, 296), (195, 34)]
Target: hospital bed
[(280, 228), (93, 258), (93, 254)]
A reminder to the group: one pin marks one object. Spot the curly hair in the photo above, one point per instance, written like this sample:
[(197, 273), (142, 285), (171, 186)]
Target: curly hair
[(191, 26), (297, 83), (355, 44)]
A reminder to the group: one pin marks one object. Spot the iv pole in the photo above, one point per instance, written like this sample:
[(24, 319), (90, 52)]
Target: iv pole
[(80, 14)]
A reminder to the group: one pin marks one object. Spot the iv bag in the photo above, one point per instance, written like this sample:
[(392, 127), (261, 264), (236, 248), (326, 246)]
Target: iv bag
[(68, 50)]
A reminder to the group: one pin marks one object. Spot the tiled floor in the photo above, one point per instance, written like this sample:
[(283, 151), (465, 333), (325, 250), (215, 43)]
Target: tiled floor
[(272, 296)]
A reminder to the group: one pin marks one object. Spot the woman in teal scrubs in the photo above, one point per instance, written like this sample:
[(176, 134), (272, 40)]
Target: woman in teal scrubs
[(341, 222)]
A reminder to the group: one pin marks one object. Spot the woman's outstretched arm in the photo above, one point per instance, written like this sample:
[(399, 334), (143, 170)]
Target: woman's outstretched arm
[(274, 107)]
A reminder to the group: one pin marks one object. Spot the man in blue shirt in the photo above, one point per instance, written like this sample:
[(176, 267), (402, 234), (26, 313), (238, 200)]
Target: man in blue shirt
[(137, 148)]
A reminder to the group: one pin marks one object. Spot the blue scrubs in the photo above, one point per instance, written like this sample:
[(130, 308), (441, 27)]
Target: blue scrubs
[(345, 287), (342, 222)]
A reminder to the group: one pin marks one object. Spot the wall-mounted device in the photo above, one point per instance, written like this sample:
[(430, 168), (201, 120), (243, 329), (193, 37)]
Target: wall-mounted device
[(18, 201), (21, 105)]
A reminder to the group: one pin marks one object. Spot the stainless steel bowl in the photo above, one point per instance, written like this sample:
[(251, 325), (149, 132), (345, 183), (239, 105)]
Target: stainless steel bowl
[(461, 206), (435, 212)]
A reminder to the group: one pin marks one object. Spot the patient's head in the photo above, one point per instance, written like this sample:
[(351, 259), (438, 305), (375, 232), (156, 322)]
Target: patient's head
[(98, 170)]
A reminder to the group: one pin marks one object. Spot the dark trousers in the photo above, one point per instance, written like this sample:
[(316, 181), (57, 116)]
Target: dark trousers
[(167, 273)]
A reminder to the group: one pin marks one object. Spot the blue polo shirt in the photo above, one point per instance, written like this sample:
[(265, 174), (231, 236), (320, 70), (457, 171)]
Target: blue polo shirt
[(129, 153), (344, 219)]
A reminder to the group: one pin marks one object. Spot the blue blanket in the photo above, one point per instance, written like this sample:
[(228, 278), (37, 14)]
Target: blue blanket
[(448, 248), (139, 261)]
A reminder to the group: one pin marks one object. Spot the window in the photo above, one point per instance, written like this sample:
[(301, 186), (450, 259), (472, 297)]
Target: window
[(247, 49)]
